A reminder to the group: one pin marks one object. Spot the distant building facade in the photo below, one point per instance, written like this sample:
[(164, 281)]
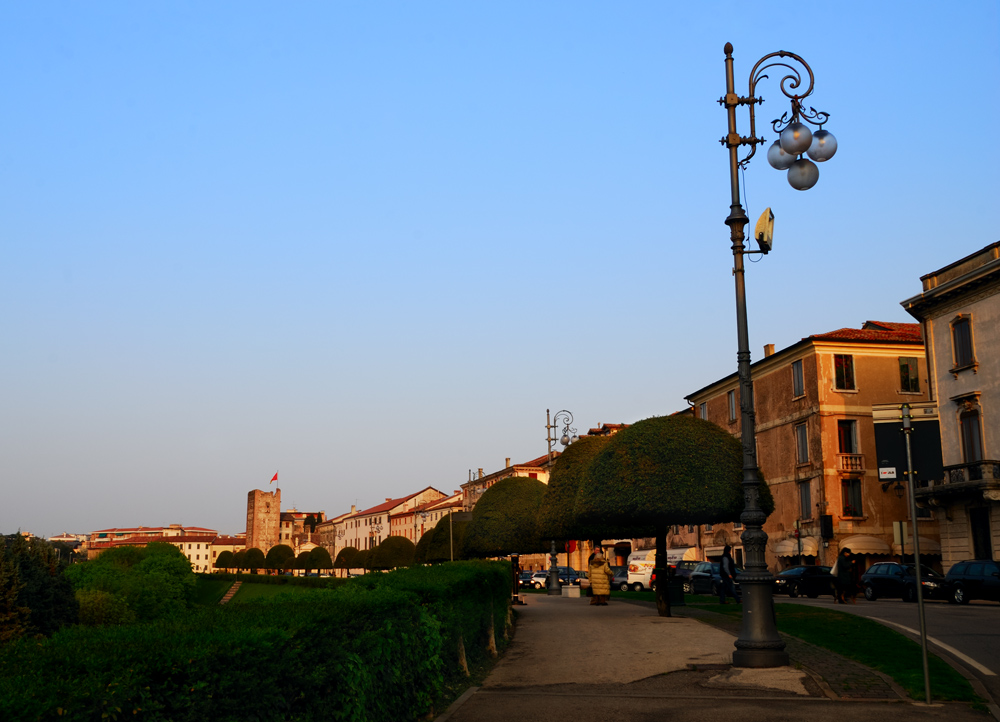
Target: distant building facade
[(959, 313), (816, 442)]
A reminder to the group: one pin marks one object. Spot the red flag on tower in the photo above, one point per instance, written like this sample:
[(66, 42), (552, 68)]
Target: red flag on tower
[(274, 478)]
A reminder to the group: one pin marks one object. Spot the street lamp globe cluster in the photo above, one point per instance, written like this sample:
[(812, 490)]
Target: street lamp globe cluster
[(796, 139)]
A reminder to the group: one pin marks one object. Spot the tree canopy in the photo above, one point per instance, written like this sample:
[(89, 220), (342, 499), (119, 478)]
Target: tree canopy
[(394, 551), (319, 557), (281, 556), (505, 519), (436, 543), (557, 516), (254, 560), (35, 597), (345, 558), (666, 470), (143, 583), (226, 560)]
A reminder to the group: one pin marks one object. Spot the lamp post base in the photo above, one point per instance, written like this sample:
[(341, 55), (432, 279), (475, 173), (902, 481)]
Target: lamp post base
[(760, 658)]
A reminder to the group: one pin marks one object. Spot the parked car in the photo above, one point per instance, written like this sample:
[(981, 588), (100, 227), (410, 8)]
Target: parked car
[(524, 579), (682, 574), (573, 577), (891, 579), (539, 579), (974, 579), (620, 580), (705, 578), (810, 581)]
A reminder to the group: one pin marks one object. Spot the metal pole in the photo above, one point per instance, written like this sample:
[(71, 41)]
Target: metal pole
[(552, 585), (907, 430), (759, 644), (451, 535)]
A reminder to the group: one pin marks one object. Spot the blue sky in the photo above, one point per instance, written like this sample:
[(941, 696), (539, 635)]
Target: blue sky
[(368, 244)]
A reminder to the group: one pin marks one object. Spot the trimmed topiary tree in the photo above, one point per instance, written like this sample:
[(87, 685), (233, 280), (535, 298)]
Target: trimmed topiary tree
[(436, 544), (345, 559), (254, 560), (662, 471), (280, 557), (240, 560), (505, 520), (226, 560), (394, 551), (320, 559), (557, 517), (360, 560), (667, 470)]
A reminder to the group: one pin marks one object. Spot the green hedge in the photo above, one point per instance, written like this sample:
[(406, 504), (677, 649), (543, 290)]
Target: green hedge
[(317, 582), (380, 647)]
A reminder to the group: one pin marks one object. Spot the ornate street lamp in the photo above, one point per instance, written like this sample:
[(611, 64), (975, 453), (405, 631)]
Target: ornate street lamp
[(759, 644), (552, 585)]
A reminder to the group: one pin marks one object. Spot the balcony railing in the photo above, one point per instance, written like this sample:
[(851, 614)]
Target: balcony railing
[(972, 471), (851, 462)]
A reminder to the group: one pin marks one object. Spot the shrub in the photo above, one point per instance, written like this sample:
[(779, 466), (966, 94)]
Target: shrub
[(280, 556), (505, 519), (379, 648), (394, 551)]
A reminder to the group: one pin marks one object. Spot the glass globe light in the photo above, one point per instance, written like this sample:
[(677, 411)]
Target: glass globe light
[(803, 174), (823, 146), (564, 440), (795, 139), (778, 158)]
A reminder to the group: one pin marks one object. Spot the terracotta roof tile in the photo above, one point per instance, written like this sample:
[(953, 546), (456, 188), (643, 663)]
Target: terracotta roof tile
[(875, 332)]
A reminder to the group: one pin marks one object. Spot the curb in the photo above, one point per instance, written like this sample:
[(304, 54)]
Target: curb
[(456, 705)]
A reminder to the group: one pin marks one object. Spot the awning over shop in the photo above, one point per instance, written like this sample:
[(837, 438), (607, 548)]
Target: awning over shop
[(865, 545), (691, 555), (790, 547), (927, 546)]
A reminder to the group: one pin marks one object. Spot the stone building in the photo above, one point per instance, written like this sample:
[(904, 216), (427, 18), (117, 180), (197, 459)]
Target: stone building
[(816, 442), (263, 519), (959, 314)]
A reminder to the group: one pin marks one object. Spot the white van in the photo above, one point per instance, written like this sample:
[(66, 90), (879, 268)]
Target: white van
[(640, 569), (642, 563)]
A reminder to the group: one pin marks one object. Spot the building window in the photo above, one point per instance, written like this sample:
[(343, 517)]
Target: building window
[(731, 398), (972, 438), (709, 527), (851, 489), (690, 528), (737, 525), (798, 381), (801, 444), (847, 439), (843, 366), (805, 501), (961, 340), (703, 411), (908, 380)]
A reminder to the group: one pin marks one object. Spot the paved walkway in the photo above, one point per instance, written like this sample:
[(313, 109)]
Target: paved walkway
[(573, 661)]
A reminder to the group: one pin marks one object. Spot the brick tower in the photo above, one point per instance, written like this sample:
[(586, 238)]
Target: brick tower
[(263, 519)]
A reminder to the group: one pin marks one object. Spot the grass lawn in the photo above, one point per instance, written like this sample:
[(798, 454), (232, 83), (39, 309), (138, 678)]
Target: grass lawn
[(257, 591), (210, 591), (865, 641)]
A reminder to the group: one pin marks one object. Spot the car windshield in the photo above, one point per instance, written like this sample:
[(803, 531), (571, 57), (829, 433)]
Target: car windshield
[(793, 572), (924, 571)]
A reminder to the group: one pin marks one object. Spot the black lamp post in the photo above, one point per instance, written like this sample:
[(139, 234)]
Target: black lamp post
[(568, 437), (759, 644)]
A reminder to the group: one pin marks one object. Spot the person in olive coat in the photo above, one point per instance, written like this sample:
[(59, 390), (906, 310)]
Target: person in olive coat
[(600, 576)]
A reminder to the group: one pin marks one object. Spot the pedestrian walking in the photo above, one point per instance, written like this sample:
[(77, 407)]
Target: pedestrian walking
[(727, 572), (600, 576), (847, 578)]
